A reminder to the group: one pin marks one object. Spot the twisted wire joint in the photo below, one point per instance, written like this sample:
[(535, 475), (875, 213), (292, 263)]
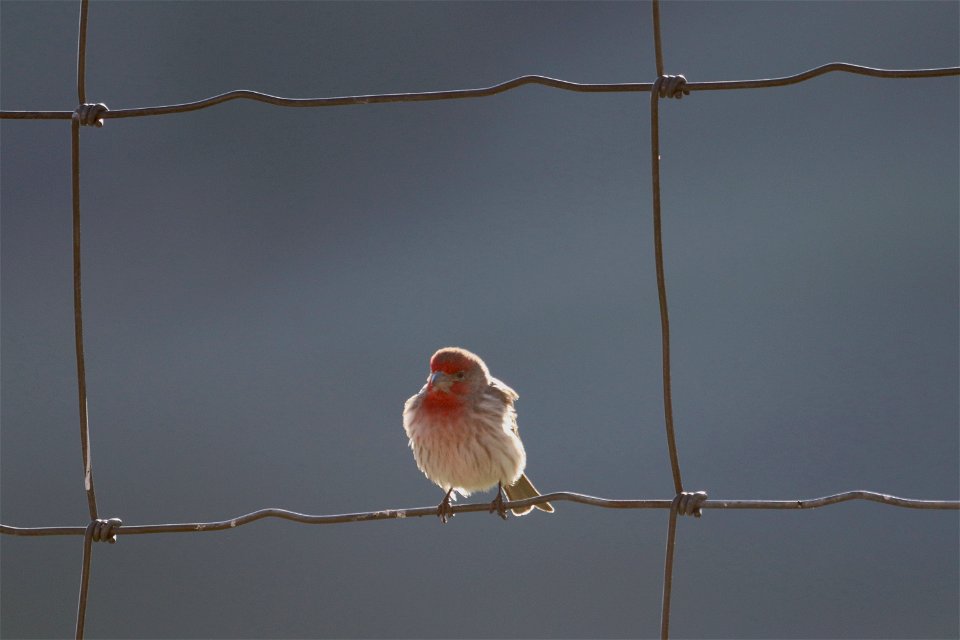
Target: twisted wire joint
[(688, 502), (90, 115), (104, 529), (671, 87)]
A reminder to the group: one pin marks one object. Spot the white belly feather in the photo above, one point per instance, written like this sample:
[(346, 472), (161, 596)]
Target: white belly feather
[(468, 455)]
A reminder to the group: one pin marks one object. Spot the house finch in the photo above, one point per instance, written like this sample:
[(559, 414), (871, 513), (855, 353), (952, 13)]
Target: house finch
[(463, 431)]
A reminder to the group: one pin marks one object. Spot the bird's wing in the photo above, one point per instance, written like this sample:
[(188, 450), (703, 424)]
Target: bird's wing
[(413, 402), (508, 394)]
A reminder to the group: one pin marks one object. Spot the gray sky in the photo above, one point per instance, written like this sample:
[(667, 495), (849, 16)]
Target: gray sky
[(264, 286)]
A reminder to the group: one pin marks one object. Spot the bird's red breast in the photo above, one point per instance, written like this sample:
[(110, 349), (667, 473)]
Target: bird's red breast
[(439, 403)]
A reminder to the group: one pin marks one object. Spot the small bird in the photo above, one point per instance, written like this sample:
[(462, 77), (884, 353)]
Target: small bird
[(463, 431)]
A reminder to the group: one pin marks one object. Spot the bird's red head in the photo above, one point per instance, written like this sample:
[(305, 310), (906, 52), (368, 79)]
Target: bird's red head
[(454, 359), (456, 373)]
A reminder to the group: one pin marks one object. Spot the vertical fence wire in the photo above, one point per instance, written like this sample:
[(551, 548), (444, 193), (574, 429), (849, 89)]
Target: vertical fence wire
[(668, 572), (78, 324), (658, 257), (77, 279), (84, 581), (82, 53), (668, 87), (657, 42)]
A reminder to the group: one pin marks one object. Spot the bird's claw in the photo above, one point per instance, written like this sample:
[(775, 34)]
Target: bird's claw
[(444, 511), (497, 504)]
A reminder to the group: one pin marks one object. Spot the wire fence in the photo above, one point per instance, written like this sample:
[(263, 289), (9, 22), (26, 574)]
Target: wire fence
[(684, 503)]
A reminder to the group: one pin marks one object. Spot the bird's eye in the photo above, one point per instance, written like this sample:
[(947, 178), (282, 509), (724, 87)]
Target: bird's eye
[(458, 375)]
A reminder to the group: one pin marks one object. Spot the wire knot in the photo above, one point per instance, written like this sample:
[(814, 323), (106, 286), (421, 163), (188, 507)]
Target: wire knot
[(671, 87), (104, 530), (90, 115), (687, 503)]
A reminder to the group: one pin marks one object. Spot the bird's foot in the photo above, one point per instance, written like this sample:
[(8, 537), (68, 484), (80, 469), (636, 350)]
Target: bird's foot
[(444, 511), (497, 504)]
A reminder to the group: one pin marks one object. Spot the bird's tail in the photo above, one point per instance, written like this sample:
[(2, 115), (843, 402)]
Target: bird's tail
[(522, 489)]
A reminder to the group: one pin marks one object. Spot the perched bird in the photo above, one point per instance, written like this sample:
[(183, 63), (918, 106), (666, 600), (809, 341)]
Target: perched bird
[(463, 431)]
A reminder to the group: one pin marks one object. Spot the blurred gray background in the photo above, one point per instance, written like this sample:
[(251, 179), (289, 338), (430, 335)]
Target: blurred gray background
[(264, 286)]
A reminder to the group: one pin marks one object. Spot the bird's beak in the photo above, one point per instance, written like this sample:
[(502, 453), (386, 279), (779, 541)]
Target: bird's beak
[(439, 380)]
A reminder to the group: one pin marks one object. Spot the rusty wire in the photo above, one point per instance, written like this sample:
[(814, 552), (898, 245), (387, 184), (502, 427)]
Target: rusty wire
[(84, 580), (79, 117), (566, 85), (77, 279), (419, 512), (668, 569), (667, 88), (684, 503), (657, 39), (655, 95)]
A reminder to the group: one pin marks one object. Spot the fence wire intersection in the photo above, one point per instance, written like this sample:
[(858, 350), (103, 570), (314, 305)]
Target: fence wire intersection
[(684, 502)]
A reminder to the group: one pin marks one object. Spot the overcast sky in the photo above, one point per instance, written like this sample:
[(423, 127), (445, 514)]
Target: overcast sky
[(263, 288)]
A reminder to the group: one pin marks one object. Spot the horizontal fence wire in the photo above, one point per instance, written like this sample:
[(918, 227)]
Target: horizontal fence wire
[(459, 94), (684, 503), (419, 512)]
